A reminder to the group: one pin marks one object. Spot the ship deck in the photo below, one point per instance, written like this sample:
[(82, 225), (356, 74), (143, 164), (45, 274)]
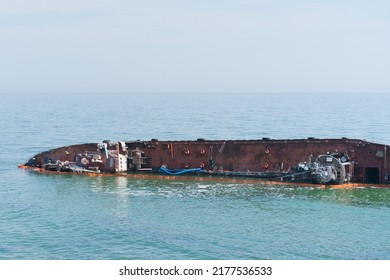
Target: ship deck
[(200, 178)]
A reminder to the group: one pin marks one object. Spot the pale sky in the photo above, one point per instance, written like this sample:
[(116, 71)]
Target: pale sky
[(198, 46)]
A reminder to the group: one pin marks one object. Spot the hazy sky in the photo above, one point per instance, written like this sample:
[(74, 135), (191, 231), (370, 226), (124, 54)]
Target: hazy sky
[(78, 46)]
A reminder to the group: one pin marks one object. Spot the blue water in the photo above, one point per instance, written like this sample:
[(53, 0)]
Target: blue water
[(72, 217)]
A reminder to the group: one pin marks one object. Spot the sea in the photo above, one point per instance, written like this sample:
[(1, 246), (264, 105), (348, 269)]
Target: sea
[(70, 217)]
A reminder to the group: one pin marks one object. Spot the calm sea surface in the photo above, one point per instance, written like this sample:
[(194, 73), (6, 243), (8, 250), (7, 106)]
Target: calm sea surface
[(72, 217)]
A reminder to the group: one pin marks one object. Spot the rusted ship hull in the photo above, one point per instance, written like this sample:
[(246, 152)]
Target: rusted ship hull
[(306, 161)]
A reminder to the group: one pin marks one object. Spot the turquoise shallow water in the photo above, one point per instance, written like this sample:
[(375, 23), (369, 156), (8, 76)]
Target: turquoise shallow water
[(72, 217)]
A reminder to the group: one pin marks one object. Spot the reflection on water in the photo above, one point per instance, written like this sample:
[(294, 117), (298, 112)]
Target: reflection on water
[(127, 186)]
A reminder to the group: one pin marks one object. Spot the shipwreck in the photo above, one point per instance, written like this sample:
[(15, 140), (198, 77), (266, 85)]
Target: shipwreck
[(307, 161)]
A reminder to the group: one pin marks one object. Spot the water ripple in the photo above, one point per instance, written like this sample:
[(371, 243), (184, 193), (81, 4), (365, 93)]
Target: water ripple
[(71, 217)]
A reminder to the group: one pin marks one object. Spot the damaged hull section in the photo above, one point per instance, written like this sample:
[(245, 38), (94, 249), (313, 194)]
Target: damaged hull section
[(307, 161)]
